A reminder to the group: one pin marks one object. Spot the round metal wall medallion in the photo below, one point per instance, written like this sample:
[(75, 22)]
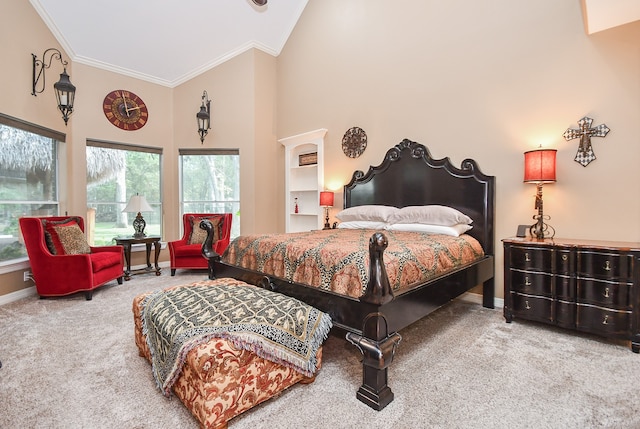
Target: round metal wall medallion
[(354, 142)]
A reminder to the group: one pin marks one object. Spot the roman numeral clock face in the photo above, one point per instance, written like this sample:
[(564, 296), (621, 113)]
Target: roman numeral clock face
[(125, 110)]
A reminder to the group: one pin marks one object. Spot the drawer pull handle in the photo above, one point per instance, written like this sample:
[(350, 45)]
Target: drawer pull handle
[(526, 281), (526, 257), (607, 266), (526, 305), (565, 257), (604, 322), (606, 292)]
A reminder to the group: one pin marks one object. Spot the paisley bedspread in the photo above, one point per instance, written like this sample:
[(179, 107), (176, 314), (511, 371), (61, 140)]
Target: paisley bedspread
[(338, 259)]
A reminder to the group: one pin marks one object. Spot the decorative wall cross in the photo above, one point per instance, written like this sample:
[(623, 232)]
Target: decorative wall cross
[(585, 152)]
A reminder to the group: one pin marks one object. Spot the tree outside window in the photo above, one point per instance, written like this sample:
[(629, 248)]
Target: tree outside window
[(115, 172), (210, 183), (28, 180)]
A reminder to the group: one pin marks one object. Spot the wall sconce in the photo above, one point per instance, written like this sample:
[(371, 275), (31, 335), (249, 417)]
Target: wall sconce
[(65, 91), (259, 2), (539, 168), (326, 201), (204, 116), (138, 204)]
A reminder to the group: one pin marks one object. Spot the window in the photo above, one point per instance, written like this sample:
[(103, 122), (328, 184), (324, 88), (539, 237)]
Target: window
[(28, 180), (210, 183), (115, 172)]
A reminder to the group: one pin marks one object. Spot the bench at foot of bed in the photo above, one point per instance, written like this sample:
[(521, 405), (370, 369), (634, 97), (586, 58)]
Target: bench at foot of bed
[(220, 381)]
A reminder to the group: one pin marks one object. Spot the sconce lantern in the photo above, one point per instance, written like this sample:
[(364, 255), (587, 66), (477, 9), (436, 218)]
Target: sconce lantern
[(204, 116), (138, 204), (539, 168), (65, 91), (326, 201)]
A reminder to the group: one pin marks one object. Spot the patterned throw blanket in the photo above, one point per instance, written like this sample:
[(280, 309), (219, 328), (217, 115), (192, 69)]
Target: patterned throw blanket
[(338, 259), (273, 326)]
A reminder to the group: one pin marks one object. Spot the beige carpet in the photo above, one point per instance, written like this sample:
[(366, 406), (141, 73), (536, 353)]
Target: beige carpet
[(71, 363)]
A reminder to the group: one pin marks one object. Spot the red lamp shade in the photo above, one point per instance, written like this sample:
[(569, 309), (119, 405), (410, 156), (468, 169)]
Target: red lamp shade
[(540, 166), (326, 199)]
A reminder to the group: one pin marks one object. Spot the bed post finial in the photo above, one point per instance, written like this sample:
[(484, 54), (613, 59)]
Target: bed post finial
[(207, 247), (378, 288)]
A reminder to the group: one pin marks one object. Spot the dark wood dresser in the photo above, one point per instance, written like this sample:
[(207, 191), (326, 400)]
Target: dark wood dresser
[(585, 285)]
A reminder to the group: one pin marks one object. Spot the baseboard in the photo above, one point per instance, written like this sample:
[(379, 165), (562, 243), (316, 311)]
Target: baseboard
[(476, 298), (164, 264), (19, 294)]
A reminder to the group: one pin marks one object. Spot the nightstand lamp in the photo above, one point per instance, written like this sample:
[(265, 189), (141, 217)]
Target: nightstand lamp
[(539, 168), (138, 204), (326, 201)]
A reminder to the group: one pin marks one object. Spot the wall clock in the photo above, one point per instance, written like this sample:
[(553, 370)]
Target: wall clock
[(125, 110), (354, 142)]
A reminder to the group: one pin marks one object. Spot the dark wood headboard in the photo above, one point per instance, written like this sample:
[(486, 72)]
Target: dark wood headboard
[(409, 176)]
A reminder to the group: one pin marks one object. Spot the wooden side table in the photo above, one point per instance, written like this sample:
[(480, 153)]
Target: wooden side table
[(126, 242)]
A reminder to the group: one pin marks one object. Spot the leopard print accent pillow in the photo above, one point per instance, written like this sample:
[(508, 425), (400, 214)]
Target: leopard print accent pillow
[(72, 239), (59, 241)]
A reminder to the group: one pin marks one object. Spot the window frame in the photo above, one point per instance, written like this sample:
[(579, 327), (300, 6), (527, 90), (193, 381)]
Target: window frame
[(136, 148), (206, 152), (57, 138)]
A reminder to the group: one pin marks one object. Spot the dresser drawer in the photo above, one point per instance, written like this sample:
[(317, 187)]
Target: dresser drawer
[(604, 293), (566, 314), (531, 283), (604, 265), (603, 321), (565, 288), (532, 307), (531, 258)]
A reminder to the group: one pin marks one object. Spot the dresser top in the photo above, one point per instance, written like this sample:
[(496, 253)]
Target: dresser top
[(571, 242)]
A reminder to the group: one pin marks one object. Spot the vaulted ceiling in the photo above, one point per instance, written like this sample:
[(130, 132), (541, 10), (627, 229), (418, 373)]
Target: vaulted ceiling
[(601, 15), (169, 42)]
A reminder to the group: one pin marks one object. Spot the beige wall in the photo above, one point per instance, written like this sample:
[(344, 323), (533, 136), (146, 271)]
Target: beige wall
[(484, 80), (23, 33), (242, 93)]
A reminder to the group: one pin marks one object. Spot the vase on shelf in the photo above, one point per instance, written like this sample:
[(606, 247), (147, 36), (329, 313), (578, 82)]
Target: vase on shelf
[(295, 205)]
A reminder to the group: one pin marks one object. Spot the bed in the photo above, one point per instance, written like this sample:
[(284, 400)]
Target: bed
[(408, 176)]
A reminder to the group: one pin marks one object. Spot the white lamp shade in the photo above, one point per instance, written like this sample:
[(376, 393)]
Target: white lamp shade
[(137, 204)]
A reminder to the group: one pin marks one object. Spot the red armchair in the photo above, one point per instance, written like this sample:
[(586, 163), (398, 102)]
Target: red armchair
[(186, 253), (62, 262)]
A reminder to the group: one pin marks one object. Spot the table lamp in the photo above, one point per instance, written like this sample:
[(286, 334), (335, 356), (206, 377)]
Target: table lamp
[(539, 168), (138, 204), (326, 201)]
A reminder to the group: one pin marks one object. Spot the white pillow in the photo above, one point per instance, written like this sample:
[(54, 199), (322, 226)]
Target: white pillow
[(431, 215), (454, 230), (362, 224), (368, 213)]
